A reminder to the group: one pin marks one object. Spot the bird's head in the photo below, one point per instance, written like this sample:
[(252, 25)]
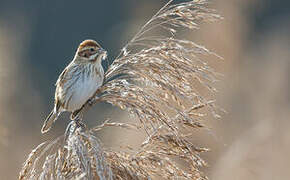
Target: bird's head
[(90, 51)]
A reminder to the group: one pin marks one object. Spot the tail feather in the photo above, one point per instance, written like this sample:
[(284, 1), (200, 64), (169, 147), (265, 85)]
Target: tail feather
[(51, 118)]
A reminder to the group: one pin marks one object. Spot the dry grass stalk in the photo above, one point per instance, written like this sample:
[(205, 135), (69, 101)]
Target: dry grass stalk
[(155, 79)]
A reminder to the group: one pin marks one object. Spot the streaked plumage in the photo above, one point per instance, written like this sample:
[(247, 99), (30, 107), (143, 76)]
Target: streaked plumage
[(78, 82)]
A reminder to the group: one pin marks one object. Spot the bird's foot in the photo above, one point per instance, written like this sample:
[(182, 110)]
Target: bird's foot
[(91, 101), (76, 114), (80, 124)]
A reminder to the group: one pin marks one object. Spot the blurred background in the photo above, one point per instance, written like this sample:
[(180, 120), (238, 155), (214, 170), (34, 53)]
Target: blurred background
[(252, 141)]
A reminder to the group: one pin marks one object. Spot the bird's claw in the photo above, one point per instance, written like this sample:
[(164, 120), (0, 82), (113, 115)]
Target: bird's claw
[(91, 102), (80, 124)]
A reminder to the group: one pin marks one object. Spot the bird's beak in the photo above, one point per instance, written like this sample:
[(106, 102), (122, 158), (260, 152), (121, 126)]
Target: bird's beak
[(101, 50), (103, 53)]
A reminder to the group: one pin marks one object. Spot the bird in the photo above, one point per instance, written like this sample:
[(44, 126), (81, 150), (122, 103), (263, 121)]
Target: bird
[(78, 82)]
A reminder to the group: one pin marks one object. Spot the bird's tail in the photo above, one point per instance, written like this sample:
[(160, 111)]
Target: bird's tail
[(51, 118)]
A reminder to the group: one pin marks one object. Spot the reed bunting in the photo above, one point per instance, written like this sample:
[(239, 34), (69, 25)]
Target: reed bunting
[(78, 82)]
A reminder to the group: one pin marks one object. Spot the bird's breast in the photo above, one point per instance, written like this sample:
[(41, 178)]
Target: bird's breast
[(84, 87)]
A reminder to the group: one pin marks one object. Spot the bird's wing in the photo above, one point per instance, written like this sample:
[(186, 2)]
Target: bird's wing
[(62, 78), (62, 82)]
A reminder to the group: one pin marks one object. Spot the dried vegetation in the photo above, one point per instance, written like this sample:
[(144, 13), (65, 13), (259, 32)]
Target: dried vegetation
[(155, 78)]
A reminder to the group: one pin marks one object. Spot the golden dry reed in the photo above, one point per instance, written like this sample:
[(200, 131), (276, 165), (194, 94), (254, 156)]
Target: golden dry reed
[(155, 78)]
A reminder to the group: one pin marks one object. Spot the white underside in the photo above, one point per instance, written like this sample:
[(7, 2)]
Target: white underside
[(76, 92), (82, 91)]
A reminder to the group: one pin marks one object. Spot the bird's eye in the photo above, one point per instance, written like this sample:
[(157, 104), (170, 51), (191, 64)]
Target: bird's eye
[(92, 49)]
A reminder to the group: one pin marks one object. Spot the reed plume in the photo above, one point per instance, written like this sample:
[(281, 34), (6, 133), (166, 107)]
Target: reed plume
[(155, 78)]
